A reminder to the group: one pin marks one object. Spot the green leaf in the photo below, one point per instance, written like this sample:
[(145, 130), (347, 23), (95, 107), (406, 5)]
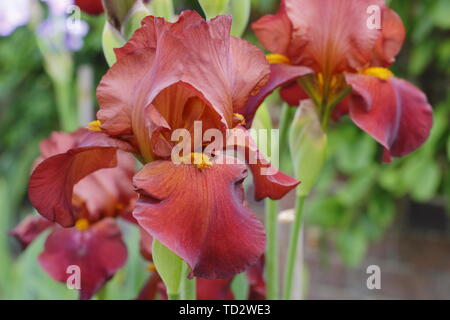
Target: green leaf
[(427, 179), (421, 57), (440, 14), (352, 246)]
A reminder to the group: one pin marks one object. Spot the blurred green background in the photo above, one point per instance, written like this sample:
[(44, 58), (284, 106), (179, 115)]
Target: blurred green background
[(357, 198)]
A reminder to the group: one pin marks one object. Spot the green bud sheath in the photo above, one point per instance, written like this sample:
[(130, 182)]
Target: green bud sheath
[(308, 144), (213, 8), (169, 267)]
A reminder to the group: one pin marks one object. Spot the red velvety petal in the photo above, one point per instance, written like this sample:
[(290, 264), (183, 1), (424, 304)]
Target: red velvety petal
[(393, 112), (116, 90), (255, 276), (333, 33), (99, 252), (280, 75), (218, 289), (93, 7), (293, 93), (268, 180), (391, 40), (199, 53), (150, 288), (31, 227), (274, 31), (51, 184), (200, 215), (146, 245)]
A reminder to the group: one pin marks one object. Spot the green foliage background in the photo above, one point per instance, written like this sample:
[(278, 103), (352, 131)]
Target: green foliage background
[(357, 198)]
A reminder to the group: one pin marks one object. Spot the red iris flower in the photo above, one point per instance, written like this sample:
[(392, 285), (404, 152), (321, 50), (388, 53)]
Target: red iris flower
[(95, 244), (340, 41), (92, 7), (168, 76)]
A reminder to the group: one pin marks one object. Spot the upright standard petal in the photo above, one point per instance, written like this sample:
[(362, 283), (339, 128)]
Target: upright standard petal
[(199, 214), (275, 31), (392, 111), (98, 252), (391, 39), (334, 33)]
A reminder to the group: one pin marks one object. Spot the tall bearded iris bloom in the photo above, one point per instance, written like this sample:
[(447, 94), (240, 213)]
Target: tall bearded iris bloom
[(94, 244), (349, 44), (168, 77)]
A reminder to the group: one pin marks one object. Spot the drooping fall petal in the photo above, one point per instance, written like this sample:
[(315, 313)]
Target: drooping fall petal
[(98, 251), (269, 181), (51, 184), (392, 111), (280, 76), (199, 214), (334, 34), (109, 192), (31, 227), (218, 289)]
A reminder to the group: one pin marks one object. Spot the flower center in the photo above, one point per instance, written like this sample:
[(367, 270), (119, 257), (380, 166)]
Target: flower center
[(94, 126), (276, 58), (82, 224), (378, 72), (200, 160)]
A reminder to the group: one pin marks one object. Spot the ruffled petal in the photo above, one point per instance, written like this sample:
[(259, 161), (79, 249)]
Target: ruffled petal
[(280, 75), (195, 53), (393, 112), (391, 40), (334, 34), (274, 31), (268, 180), (117, 88), (208, 226), (51, 184), (31, 227), (99, 252)]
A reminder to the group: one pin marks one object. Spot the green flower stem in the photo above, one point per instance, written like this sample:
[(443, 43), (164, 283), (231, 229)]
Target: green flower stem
[(67, 117), (188, 286), (292, 249), (287, 113), (272, 271), (174, 296)]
